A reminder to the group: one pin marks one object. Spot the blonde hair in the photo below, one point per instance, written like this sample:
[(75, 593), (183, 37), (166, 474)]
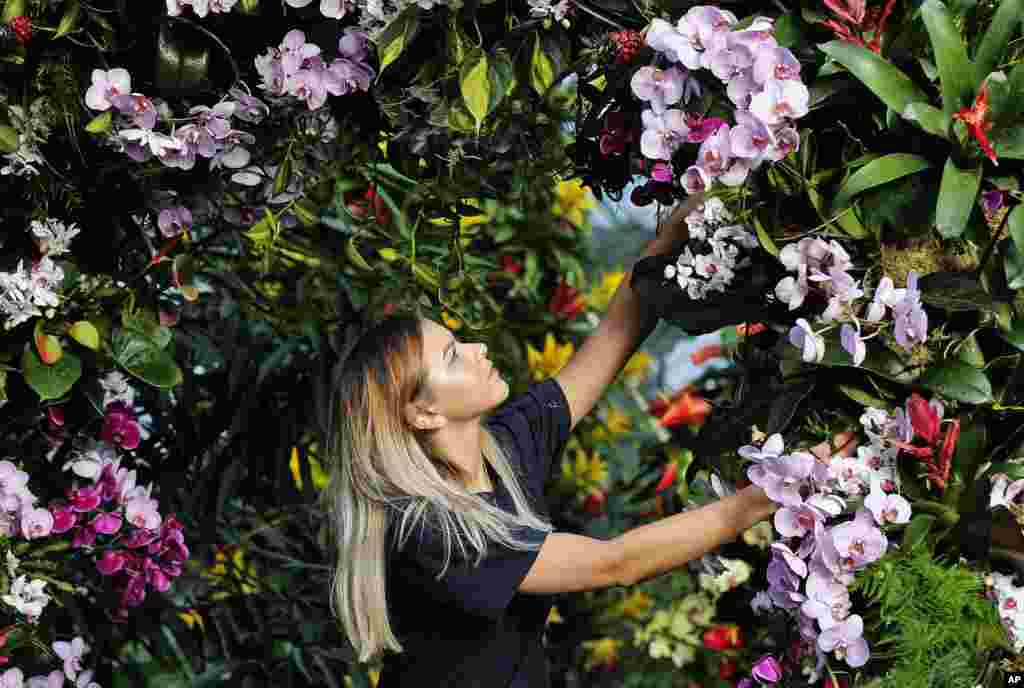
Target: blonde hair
[(381, 469)]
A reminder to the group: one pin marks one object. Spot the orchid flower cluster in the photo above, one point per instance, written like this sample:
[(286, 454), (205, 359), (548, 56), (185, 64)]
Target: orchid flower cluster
[(208, 133), (27, 289), (295, 68), (70, 654), (823, 276), (814, 563), (332, 9), (762, 80), (1009, 599), (714, 252)]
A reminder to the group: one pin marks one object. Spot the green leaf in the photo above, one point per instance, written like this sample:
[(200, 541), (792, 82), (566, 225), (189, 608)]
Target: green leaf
[(1009, 142), (12, 9), (542, 69), (9, 139), (397, 36), (1014, 264), (928, 117), (997, 37), (892, 86), (101, 123), (762, 236), (863, 398), (502, 75), (1013, 470), (86, 334), (789, 30), (145, 359), (1015, 337), (70, 19), (877, 172), (917, 530), (959, 381), (50, 381), (475, 84), (284, 173), (970, 449), (955, 70), (957, 193), (954, 291)]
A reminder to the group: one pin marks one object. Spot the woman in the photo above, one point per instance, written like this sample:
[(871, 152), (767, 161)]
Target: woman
[(445, 556)]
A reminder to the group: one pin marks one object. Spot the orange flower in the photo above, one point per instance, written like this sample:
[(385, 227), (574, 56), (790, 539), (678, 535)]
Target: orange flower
[(686, 409), (751, 329), (706, 353), (976, 119)]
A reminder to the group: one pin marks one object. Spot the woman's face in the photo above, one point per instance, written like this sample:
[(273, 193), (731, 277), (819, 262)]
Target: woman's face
[(463, 381)]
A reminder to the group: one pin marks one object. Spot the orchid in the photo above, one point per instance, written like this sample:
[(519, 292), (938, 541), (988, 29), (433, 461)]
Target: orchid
[(846, 641), (107, 85), (663, 133), (659, 87)]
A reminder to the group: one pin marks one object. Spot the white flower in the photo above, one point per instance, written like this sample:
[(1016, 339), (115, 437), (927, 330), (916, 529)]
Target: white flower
[(780, 100), (812, 345), (544, 8), (28, 598), (116, 388), (52, 236)]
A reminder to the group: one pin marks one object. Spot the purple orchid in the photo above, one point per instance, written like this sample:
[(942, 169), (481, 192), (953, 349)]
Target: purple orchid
[(139, 109), (663, 133), (775, 63), (828, 600), (846, 641), (771, 449), (911, 319), (782, 479), (714, 154), (886, 508), (660, 88), (695, 179), (780, 100), (174, 220), (666, 39), (120, 427), (857, 543), (107, 85), (811, 344), (852, 343), (750, 138), (797, 521), (248, 108), (767, 670)]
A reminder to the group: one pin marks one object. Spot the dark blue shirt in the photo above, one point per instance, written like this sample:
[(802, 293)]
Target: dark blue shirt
[(473, 628)]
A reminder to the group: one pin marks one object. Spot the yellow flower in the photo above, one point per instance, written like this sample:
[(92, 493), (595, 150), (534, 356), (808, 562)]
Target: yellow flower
[(636, 605), (589, 471), (551, 360), (616, 422), (315, 469), (572, 199), (602, 652), (601, 294), (191, 618), (638, 366), (238, 570), (554, 617), (450, 321)]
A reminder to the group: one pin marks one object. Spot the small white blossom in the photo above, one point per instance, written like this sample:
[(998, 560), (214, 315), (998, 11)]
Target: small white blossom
[(52, 236), (28, 597)]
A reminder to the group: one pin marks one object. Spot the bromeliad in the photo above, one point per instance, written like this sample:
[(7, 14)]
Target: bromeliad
[(976, 119)]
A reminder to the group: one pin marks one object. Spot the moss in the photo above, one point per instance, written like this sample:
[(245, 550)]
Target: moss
[(923, 257)]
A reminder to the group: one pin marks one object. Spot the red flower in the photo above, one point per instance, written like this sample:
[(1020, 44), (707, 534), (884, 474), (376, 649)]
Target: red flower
[(750, 329), (668, 477), (509, 264), (686, 409), (724, 637), (851, 11), (706, 353), (594, 504), (727, 669), (855, 21), (923, 418), (976, 119), (566, 301)]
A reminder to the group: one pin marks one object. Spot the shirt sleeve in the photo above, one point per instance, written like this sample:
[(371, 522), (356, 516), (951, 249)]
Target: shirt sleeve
[(483, 590), (538, 421)]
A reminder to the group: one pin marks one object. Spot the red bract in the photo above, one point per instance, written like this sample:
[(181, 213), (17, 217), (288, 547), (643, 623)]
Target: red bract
[(668, 477), (706, 353), (848, 10), (923, 418), (725, 637), (976, 119), (509, 264), (566, 301), (686, 409)]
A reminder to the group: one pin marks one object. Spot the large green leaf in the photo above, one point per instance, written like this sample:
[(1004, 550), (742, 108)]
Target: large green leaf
[(397, 36), (929, 118), (50, 381), (886, 81), (959, 381), (954, 291), (144, 358), (542, 67), (997, 37), (1015, 337), (957, 193), (955, 70), (877, 172)]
